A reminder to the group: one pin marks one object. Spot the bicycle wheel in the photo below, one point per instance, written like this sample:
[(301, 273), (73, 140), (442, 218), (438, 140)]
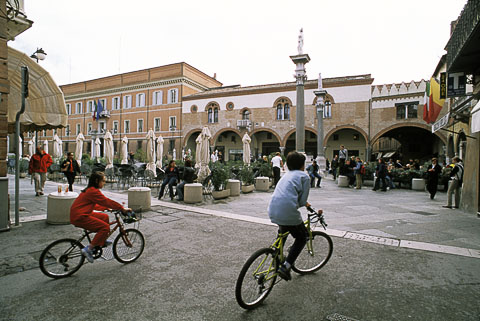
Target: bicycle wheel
[(316, 254), (129, 246), (61, 258), (256, 279)]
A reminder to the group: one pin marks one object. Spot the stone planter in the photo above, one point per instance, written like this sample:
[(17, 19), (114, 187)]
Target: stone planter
[(262, 184), (418, 184), (234, 186), (22, 175), (368, 182), (342, 181), (247, 188), (221, 194)]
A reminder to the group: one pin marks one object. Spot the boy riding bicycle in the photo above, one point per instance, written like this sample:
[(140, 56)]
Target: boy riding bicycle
[(290, 194)]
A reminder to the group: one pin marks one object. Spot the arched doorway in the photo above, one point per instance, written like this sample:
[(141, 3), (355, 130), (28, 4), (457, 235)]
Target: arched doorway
[(229, 144), (461, 145), (310, 142), (264, 143), (409, 142), (191, 140), (353, 140)]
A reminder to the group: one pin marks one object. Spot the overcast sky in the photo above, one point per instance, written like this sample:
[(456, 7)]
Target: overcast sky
[(244, 42)]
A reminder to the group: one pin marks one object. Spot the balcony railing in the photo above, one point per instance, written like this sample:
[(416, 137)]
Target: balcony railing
[(242, 123), (104, 114), (466, 24)]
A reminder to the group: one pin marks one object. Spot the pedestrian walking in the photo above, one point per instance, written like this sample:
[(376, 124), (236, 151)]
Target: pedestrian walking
[(277, 164), (456, 177), (433, 172), (38, 166), (334, 167), (70, 168), (358, 173), (381, 172)]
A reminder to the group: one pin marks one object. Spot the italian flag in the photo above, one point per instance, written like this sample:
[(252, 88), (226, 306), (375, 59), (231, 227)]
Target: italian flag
[(433, 103), (94, 114)]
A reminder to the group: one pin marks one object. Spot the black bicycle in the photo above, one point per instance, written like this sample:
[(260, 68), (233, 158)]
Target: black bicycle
[(64, 257)]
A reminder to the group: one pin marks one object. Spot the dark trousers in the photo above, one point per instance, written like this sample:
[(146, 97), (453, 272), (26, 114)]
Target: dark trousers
[(172, 181), (300, 234), (432, 186), (180, 189), (377, 183), (70, 179), (334, 173), (276, 175), (312, 179)]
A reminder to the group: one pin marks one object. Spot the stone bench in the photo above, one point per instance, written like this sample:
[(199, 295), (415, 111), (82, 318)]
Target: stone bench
[(139, 198), (192, 193), (262, 184), (418, 184), (234, 186), (58, 207), (343, 181)]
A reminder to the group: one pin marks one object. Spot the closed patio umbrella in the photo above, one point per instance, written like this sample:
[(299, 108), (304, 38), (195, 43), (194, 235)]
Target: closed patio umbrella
[(31, 147), (97, 148), (109, 150), (159, 151), (198, 141), (151, 152), (204, 154), (45, 146), (246, 148), (124, 151), (57, 146), (79, 148)]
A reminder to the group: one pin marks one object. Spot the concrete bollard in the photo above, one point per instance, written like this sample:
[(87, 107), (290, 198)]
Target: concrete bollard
[(418, 184), (192, 193), (262, 184), (343, 181), (234, 186), (139, 198)]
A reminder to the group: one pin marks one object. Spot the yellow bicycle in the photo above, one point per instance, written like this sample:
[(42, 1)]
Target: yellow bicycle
[(259, 273)]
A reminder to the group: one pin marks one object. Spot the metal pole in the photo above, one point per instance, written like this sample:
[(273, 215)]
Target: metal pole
[(24, 71)]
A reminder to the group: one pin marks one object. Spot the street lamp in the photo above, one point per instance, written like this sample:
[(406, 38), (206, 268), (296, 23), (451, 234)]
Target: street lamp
[(39, 55)]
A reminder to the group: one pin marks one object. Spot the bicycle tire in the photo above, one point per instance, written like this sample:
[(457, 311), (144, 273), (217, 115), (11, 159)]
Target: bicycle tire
[(128, 254), (252, 287), (57, 258), (312, 260)]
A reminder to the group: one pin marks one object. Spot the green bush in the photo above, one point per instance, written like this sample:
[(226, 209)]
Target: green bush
[(246, 175), (220, 176), (141, 156), (23, 165)]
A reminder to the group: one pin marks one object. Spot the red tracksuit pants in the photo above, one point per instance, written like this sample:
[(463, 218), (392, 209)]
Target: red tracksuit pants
[(95, 222)]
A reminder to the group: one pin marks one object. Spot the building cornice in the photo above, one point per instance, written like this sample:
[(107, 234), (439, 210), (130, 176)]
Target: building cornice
[(136, 87), (402, 96)]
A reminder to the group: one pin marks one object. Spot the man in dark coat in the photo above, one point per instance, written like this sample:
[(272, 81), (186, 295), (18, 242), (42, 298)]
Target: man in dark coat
[(433, 172), (70, 168), (381, 171)]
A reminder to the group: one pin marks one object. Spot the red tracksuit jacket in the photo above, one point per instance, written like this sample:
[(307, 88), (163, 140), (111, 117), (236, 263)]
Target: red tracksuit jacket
[(90, 200)]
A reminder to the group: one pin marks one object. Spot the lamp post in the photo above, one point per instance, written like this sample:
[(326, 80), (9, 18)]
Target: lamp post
[(39, 55), (320, 94)]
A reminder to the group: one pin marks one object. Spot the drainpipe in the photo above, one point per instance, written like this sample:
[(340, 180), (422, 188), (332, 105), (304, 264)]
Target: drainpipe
[(24, 72), (369, 148)]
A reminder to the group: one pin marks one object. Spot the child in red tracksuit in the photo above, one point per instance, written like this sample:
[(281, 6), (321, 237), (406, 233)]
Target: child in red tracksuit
[(82, 212)]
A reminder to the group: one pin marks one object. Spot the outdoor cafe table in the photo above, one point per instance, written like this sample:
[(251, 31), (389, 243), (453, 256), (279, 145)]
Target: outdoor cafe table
[(58, 207)]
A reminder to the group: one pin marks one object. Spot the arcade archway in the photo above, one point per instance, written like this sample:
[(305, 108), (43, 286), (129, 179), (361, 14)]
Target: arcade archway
[(229, 144), (264, 142), (353, 140), (310, 142)]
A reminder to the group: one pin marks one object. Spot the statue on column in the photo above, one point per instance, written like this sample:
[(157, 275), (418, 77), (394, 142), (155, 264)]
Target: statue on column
[(300, 42)]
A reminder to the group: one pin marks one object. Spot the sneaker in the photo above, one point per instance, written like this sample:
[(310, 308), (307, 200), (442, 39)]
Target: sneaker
[(284, 273), (446, 206), (41, 193), (37, 194), (107, 243), (88, 254)]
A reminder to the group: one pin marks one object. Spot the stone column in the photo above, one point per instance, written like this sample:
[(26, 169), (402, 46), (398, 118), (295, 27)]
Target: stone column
[(300, 76), (4, 89), (320, 94)]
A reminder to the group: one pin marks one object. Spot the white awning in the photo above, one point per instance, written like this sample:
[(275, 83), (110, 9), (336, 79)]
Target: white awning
[(388, 155), (45, 105), (476, 118)]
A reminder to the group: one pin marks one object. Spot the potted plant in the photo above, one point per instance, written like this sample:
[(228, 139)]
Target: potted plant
[(220, 177), (247, 177), (23, 168)]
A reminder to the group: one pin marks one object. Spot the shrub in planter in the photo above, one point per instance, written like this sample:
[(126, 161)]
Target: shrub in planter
[(246, 175), (220, 176), (265, 170)]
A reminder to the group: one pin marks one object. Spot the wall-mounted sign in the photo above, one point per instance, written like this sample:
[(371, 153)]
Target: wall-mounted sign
[(442, 122), (456, 84), (443, 85)]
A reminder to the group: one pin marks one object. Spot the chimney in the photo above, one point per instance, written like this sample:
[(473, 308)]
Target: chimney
[(214, 75)]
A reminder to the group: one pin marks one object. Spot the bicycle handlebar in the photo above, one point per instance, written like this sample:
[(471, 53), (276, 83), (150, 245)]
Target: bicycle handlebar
[(321, 217)]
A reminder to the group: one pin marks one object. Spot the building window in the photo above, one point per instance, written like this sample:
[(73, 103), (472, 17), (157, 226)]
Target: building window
[(407, 111), (89, 128), (327, 110), (269, 135), (140, 100), (103, 101), (230, 106), (127, 101), (69, 109), (77, 132), (67, 131), (115, 103), (115, 127), (139, 144), (156, 124), (335, 137), (90, 106), (101, 127), (213, 115), (172, 96), (140, 125), (246, 114), (157, 98), (356, 137), (172, 145), (126, 125), (283, 109), (78, 108), (173, 123), (194, 109)]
